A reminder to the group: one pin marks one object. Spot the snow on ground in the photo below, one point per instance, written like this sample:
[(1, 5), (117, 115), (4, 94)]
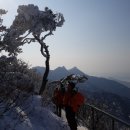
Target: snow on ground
[(82, 128), (64, 118), (33, 116)]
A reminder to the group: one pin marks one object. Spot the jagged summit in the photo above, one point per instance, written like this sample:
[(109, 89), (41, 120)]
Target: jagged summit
[(59, 72), (75, 70), (63, 68)]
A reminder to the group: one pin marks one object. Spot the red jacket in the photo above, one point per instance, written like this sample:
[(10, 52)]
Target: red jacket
[(74, 100), (58, 97)]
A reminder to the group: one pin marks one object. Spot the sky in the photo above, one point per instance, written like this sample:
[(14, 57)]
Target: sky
[(95, 36)]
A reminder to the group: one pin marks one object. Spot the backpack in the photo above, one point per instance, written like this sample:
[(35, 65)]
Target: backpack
[(76, 101)]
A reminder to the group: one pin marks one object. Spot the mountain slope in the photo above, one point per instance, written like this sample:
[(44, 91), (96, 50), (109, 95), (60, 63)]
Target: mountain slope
[(125, 83), (108, 86), (40, 70), (58, 73), (75, 70), (94, 84)]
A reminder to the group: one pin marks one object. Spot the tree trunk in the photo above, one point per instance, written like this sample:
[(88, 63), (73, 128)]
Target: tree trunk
[(47, 55), (44, 79)]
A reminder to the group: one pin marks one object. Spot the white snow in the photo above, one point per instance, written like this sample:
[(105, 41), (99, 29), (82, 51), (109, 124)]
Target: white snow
[(33, 116)]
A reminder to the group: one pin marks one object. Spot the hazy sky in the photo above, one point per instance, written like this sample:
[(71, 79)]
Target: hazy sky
[(95, 36)]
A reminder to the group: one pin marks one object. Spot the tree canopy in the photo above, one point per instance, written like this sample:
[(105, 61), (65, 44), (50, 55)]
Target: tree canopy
[(30, 23)]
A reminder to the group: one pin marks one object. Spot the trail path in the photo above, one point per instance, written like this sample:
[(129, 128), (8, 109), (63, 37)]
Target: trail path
[(64, 118)]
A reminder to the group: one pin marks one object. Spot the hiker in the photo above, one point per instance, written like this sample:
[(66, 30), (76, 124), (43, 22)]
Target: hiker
[(72, 101), (58, 98)]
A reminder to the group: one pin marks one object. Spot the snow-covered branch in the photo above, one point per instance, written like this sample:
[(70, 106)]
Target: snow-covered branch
[(50, 33), (17, 82), (30, 25), (32, 21), (43, 45)]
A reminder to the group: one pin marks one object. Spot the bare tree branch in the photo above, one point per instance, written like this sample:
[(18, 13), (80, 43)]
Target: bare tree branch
[(28, 40), (50, 33)]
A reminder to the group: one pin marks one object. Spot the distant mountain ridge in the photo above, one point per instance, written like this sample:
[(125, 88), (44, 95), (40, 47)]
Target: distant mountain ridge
[(124, 83), (59, 72), (94, 84)]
